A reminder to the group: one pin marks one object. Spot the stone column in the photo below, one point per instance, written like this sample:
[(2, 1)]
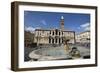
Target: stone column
[(54, 40), (58, 41), (51, 41)]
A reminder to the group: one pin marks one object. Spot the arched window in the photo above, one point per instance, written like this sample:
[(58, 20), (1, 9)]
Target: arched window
[(56, 40), (59, 40), (53, 33), (49, 40), (62, 40), (50, 32), (52, 41), (56, 32), (62, 33), (59, 32)]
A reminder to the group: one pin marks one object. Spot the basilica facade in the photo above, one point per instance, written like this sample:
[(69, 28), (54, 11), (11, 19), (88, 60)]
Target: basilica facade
[(54, 36)]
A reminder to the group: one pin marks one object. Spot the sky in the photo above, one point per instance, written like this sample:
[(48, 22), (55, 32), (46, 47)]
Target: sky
[(77, 22)]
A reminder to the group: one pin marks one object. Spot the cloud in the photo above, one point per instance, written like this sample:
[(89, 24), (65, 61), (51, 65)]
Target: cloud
[(85, 27), (31, 29), (43, 22)]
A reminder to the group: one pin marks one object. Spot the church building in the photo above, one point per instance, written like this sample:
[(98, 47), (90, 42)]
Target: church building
[(54, 36)]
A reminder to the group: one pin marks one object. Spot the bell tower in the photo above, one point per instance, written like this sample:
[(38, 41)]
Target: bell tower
[(62, 23)]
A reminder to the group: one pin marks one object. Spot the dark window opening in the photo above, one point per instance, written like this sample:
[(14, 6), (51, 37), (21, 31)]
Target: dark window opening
[(50, 32), (53, 33), (49, 40), (59, 33), (59, 40), (62, 33), (56, 40), (62, 40), (56, 32), (52, 40)]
